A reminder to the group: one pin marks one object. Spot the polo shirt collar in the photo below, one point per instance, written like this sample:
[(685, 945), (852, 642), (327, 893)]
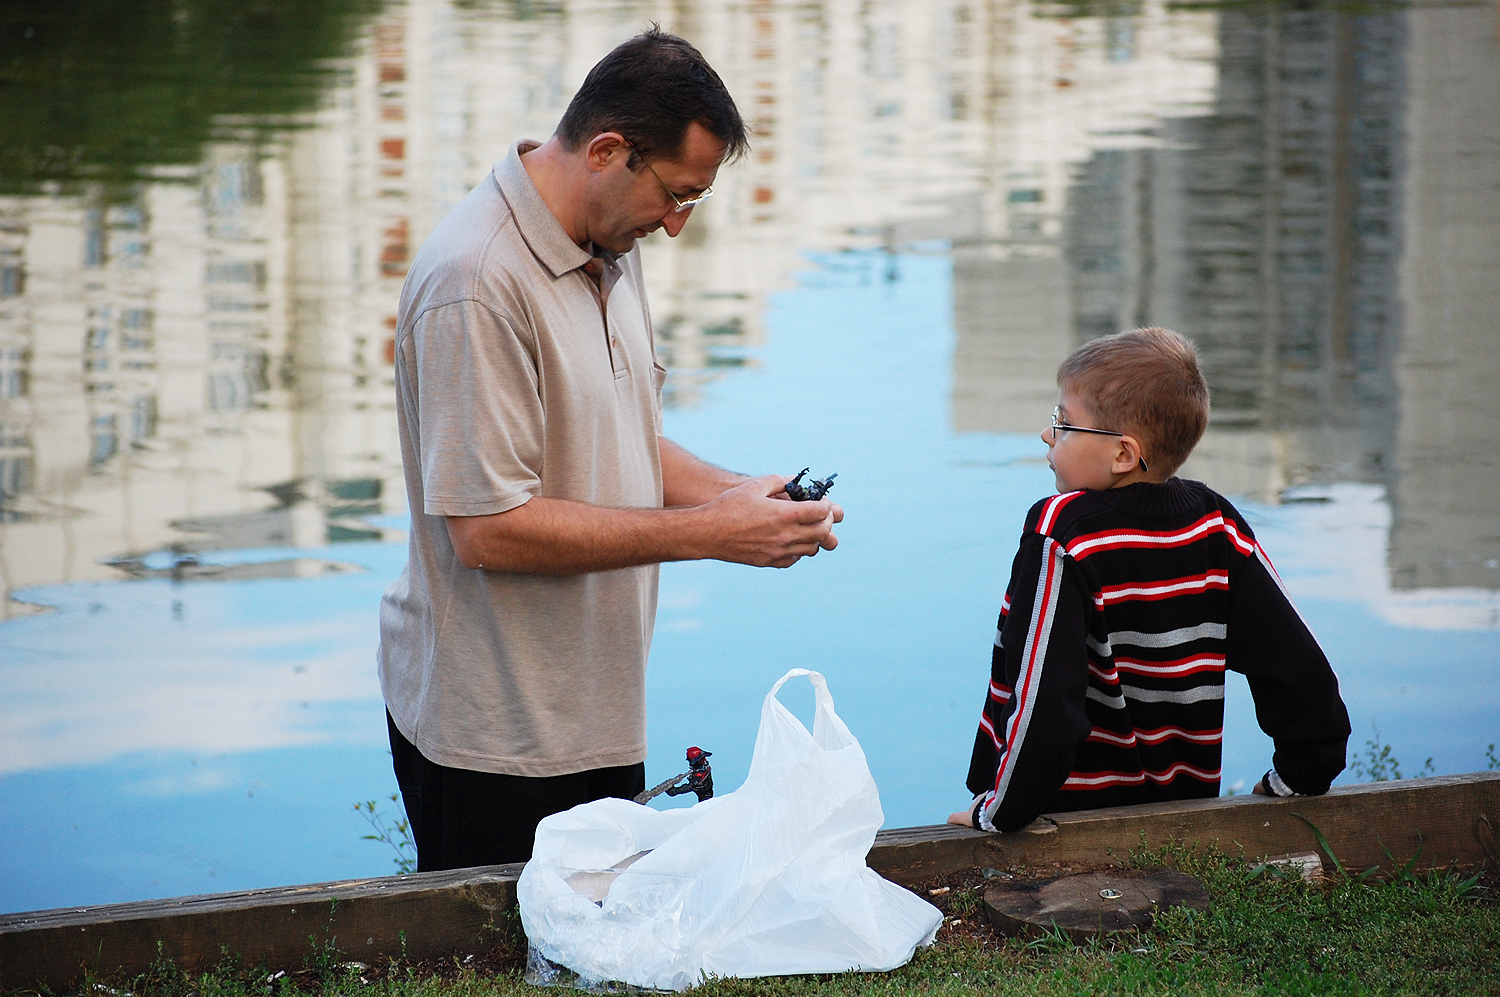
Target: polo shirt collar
[(540, 228)]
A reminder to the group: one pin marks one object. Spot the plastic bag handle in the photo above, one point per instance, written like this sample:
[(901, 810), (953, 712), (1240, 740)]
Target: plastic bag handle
[(821, 696)]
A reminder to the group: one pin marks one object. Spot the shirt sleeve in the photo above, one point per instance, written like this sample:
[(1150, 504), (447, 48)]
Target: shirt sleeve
[(480, 426), (1296, 693), (1038, 687)]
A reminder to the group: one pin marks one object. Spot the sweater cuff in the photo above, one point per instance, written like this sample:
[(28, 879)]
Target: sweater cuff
[(980, 823), (1277, 785)]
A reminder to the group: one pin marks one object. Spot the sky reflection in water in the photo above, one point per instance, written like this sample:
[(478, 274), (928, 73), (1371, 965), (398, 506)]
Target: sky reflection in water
[(212, 507), (183, 738)]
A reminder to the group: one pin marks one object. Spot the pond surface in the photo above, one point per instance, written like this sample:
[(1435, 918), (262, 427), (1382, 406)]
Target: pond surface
[(206, 215)]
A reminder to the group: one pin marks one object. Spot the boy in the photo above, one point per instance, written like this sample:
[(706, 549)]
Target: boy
[(1131, 593)]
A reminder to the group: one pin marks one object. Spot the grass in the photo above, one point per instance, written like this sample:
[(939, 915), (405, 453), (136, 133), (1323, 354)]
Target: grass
[(1266, 932)]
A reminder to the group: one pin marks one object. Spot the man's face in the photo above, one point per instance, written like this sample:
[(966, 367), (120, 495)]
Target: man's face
[(630, 205)]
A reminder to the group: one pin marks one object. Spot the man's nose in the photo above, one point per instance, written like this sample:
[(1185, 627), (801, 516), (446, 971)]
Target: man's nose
[(674, 220)]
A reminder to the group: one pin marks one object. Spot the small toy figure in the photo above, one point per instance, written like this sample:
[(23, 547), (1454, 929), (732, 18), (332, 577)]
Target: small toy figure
[(700, 777), (810, 492)]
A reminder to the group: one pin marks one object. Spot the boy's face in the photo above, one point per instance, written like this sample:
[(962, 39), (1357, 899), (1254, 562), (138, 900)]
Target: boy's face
[(1088, 460)]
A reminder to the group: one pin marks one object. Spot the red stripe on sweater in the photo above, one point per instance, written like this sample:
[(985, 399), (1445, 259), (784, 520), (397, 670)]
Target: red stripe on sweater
[(1032, 671), (985, 725), (1054, 506), (1092, 543), (1100, 736), (1161, 734), (1162, 590), (1182, 666), (1245, 545), (1098, 780)]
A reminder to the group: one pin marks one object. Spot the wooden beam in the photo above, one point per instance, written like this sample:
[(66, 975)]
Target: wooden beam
[(1453, 819), (418, 915)]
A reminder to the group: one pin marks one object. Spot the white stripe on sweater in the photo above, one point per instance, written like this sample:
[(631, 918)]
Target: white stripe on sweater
[(1080, 549), (1033, 656)]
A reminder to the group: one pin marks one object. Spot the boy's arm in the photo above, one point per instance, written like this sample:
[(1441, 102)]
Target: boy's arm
[(987, 740), (1038, 688), (1296, 693)]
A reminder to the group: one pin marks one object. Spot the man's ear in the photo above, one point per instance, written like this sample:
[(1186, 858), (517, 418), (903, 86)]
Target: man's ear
[(605, 148)]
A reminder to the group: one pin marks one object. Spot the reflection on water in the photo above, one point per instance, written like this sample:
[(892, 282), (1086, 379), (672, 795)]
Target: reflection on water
[(205, 219), (1304, 227)]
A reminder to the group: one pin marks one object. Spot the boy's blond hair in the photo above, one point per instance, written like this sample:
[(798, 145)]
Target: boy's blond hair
[(1144, 382)]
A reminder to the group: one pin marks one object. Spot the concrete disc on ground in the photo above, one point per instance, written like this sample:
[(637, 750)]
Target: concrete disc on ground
[(1090, 903)]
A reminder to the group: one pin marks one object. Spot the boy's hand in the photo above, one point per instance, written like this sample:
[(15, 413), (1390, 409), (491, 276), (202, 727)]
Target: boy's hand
[(963, 818)]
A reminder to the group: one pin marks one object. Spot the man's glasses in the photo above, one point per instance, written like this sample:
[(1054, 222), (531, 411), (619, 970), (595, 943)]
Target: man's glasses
[(1063, 427), (682, 205)]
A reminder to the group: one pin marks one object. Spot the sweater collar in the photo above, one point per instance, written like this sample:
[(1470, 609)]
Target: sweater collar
[(1148, 497)]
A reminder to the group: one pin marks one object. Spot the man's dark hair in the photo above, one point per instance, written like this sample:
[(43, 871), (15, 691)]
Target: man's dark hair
[(649, 89)]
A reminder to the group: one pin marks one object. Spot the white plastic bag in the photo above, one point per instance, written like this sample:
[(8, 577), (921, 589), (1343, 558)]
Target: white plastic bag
[(767, 880)]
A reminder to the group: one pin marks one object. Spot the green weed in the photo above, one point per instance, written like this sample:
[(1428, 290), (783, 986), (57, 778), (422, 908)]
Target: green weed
[(1378, 764), (396, 834)]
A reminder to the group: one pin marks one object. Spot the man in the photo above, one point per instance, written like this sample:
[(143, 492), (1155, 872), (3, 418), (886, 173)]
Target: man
[(513, 647)]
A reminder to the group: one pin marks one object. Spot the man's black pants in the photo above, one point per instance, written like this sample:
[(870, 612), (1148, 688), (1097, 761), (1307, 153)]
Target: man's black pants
[(461, 818)]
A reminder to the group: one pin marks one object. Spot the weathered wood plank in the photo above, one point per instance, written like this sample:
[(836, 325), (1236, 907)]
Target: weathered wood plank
[(1454, 820), (421, 914)]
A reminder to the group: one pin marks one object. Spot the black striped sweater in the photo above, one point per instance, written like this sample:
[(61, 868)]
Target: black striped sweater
[(1107, 677)]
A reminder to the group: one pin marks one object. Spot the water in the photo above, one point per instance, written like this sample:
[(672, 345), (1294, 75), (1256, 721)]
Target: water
[(203, 230)]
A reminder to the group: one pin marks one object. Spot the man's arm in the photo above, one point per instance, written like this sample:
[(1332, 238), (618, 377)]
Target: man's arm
[(719, 515), (688, 480)]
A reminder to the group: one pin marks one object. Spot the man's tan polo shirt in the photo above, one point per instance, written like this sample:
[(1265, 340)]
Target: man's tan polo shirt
[(510, 384)]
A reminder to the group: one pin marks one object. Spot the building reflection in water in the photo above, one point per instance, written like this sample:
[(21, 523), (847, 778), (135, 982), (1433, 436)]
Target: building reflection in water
[(1327, 231), (195, 353)]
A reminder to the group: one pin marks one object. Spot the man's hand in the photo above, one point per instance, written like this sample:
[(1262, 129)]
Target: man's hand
[(744, 524), (752, 523), (963, 818), (836, 514)]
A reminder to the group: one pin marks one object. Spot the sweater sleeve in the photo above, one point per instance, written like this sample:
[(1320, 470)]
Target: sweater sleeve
[(1296, 693), (987, 743), (1037, 689)]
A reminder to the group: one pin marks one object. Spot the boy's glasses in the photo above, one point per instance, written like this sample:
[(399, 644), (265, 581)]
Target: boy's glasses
[(1063, 427)]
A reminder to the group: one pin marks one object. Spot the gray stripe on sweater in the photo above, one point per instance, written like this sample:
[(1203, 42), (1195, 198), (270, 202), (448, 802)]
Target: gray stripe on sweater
[(1196, 694), (1171, 638)]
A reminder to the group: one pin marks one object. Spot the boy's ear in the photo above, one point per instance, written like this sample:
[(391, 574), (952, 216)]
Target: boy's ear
[(1127, 455)]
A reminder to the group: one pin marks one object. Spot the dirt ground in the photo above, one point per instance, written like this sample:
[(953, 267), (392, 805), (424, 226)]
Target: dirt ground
[(958, 895)]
